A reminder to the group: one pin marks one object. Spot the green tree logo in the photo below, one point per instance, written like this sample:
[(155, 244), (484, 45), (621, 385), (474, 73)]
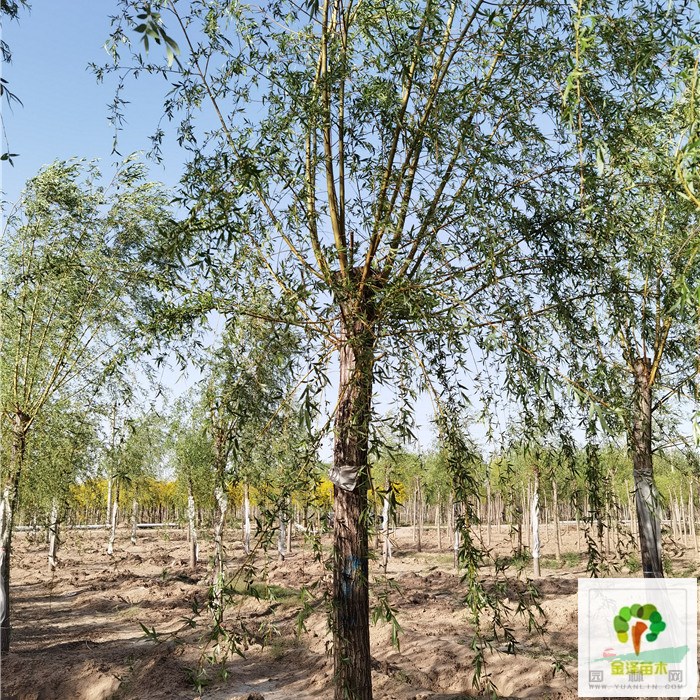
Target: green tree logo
[(647, 618)]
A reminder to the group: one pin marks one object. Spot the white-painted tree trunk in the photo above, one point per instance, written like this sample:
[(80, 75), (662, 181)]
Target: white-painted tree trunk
[(219, 563), (535, 523), (246, 519), (113, 522), (557, 529)]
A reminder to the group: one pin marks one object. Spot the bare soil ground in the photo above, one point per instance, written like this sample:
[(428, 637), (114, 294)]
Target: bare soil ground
[(77, 633)]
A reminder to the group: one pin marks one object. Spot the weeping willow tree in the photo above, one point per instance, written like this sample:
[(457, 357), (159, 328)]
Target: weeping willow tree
[(634, 343), (74, 286), (383, 167), (250, 378)]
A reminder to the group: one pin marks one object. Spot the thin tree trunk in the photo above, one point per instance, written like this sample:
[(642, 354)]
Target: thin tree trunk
[(451, 521), (282, 538), (675, 530), (438, 525), (557, 530), (6, 518), (108, 518), (219, 556), (350, 623), (456, 539), (53, 534), (488, 512), (578, 533), (691, 517), (113, 520), (246, 518), (647, 497), (191, 520), (499, 513), (418, 515), (134, 519), (535, 521), (633, 528), (386, 542), (683, 517)]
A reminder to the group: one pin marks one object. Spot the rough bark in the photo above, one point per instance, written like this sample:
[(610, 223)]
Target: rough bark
[(647, 497), (10, 495), (351, 652)]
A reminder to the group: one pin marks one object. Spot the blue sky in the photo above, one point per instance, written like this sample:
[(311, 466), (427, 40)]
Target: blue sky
[(65, 110)]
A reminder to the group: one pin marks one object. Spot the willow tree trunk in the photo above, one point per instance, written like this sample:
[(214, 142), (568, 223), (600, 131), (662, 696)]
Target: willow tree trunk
[(53, 534), (488, 512), (192, 522), (535, 524), (691, 517), (282, 538), (647, 497), (246, 518), (557, 529), (290, 528), (418, 516), (134, 519), (113, 519), (386, 542), (219, 557), (351, 653), (8, 507), (108, 519)]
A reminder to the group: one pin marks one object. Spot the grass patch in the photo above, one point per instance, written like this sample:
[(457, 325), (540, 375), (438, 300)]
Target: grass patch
[(551, 563), (572, 558), (267, 591)]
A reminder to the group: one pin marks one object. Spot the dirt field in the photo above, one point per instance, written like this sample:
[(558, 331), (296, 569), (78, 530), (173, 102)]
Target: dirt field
[(77, 634)]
